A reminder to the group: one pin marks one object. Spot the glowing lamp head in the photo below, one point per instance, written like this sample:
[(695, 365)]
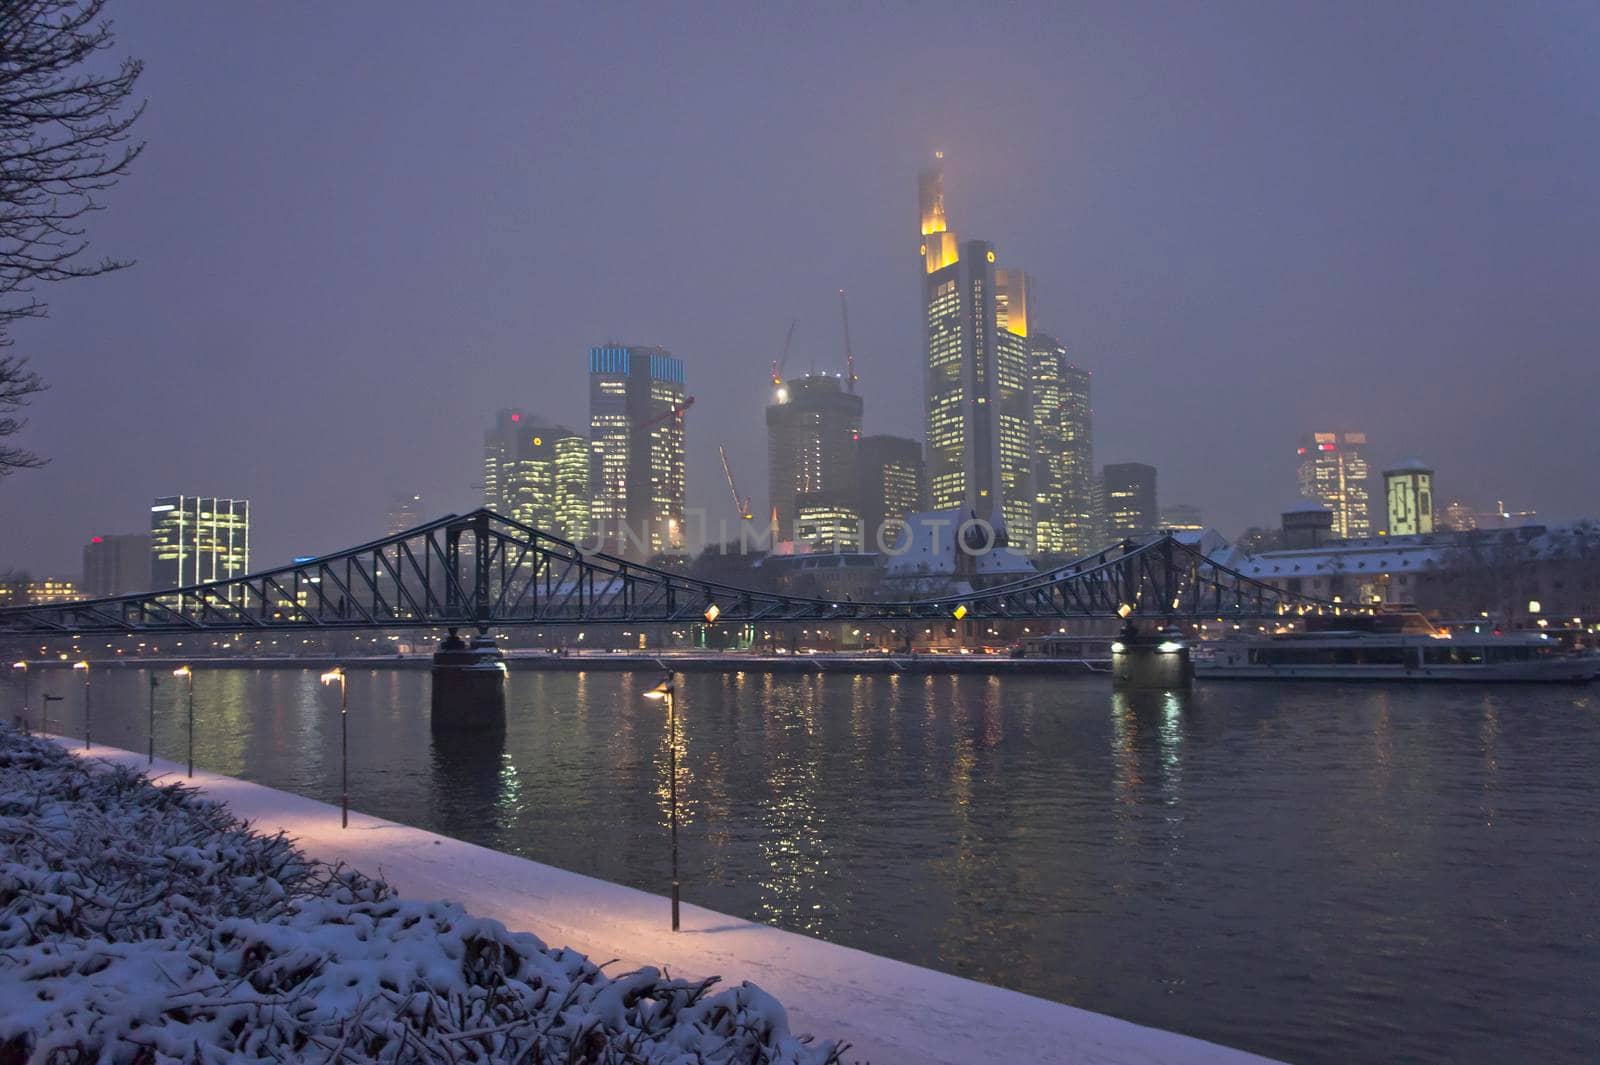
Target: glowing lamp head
[(334, 676), (80, 665), (1124, 610), (713, 612), (183, 671), (661, 690), (19, 665)]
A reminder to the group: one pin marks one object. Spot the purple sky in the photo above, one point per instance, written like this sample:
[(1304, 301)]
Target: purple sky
[(361, 231)]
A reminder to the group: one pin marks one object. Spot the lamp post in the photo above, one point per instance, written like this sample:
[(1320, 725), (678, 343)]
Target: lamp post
[(665, 690), (24, 667), (337, 674), (150, 733), (188, 675), (88, 717)]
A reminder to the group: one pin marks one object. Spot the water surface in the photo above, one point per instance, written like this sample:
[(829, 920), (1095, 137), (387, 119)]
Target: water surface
[(1318, 873)]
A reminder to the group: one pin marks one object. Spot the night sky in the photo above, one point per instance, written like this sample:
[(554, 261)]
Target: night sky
[(360, 231)]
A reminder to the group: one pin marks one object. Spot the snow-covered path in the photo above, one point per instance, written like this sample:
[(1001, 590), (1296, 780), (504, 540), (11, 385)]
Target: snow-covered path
[(890, 1012)]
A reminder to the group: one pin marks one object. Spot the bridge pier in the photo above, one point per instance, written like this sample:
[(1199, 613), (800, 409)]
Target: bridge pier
[(1150, 660), (469, 685)]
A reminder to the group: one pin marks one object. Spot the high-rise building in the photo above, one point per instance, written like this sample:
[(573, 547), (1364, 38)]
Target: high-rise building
[(530, 466), (979, 433), (116, 565), (1181, 517), (1408, 490), (1063, 478), (572, 486), (1128, 491), (194, 539), (636, 414), (1334, 472), (892, 484), (405, 512), (813, 440)]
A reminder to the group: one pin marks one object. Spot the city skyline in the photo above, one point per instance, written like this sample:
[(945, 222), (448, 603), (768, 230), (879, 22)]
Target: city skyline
[(1283, 283)]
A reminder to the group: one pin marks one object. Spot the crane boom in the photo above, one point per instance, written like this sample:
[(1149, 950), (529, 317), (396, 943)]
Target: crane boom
[(849, 352), (740, 504), (676, 412), (777, 364)]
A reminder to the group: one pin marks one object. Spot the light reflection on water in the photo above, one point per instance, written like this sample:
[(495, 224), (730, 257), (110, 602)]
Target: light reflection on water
[(1318, 873)]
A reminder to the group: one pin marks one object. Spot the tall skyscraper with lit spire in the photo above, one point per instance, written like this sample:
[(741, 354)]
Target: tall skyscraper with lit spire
[(979, 442)]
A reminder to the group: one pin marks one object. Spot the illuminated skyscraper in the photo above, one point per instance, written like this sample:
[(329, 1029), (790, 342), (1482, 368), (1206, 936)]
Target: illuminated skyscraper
[(1408, 490), (813, 436), (1128, 491), (892, 484), (529, 467), (405, 512), (979, 440), (1063, 479), (636, 415), (194, 539), (1334, 473)]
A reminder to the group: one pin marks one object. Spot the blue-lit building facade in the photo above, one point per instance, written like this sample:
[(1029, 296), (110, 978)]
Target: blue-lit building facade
[(636, 450)]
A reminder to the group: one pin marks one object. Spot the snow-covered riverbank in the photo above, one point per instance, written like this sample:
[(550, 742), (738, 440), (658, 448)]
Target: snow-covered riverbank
[(145, 924), (889, 1012)]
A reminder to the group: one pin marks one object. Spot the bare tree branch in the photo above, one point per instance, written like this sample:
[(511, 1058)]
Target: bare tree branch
[(65, 127)]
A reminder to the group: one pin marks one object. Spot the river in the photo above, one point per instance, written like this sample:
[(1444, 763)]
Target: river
[(1318, 873)]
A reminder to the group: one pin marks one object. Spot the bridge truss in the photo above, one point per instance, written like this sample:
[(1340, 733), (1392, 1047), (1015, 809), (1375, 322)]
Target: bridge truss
[(485, 570)]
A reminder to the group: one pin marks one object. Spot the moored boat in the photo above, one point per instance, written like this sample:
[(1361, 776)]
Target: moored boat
[(1410, 650)]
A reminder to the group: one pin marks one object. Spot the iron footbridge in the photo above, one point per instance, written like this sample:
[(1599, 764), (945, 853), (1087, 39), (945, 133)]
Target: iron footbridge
[(486, 570)]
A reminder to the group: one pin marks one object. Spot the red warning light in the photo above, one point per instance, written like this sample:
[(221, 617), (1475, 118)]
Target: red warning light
[(1302, 451), (1326, 447), (516, 417), (96, 540)]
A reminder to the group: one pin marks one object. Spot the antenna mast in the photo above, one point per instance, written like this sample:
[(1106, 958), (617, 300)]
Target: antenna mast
[(850, 377)]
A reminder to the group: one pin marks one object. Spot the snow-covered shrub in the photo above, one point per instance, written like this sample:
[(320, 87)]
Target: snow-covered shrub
[(143, 924)]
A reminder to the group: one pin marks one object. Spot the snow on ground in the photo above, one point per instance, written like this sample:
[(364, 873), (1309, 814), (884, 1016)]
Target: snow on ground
[(890, 1013), (142, 924)]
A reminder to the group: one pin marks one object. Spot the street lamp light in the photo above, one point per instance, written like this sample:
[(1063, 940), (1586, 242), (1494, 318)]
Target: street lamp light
[(665, 690), (24, 667), (88, 718), (333, 675)]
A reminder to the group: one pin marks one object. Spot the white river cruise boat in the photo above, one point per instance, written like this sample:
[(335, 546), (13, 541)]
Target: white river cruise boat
[(1394, 648)]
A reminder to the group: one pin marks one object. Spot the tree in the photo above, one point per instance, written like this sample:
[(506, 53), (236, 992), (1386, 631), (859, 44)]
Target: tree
[(64, 138), (17, 383)]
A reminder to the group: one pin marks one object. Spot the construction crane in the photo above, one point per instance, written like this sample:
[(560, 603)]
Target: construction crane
[(740, 503), (777, 364), (676, 412), (850, 378)]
